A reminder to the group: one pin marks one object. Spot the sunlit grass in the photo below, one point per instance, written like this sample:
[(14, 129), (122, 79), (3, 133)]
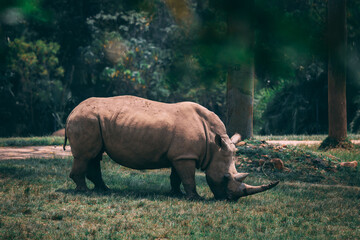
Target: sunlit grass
[(31, 141), (37, 202), (345, 155), (320, 137)]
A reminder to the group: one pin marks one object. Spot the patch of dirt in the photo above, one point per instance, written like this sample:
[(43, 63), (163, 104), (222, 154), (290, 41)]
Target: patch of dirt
[(8, 153)]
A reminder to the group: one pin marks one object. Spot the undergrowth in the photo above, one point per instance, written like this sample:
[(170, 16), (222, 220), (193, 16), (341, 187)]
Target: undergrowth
[(300, 163)]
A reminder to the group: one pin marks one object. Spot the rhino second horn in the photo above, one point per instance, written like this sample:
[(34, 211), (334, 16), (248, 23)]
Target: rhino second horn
[(240, 176), (235, 138), (249, 190)]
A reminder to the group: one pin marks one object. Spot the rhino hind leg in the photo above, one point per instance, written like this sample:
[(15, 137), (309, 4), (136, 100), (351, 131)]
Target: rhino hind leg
[(94, 173), (175, 182), (84, 134), (77, 174), (186, 171)]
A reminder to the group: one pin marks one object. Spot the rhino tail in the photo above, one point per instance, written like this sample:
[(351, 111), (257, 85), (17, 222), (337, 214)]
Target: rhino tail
[(64, 146)]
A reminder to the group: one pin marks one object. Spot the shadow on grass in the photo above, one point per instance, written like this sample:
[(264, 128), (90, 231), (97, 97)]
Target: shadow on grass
[(15, 172), (32, 168), (132, 194)]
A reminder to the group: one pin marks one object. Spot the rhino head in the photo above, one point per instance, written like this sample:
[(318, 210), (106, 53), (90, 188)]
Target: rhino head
[(223, 179)]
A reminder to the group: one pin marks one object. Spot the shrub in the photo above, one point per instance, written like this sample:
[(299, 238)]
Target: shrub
[(34, 91)]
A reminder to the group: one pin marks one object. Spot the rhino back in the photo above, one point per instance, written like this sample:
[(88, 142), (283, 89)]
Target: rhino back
[(144, 134)]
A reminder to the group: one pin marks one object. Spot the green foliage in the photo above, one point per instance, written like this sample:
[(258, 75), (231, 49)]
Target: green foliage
[(130, 62), (137, 64), (298, 107), (169, 51), (212, 97), (37, 64), (355, 123), (262, 98), (35, 90)]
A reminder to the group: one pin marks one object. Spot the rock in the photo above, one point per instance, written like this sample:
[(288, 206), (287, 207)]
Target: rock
[(352, 164), (278, 164), (59, 133)]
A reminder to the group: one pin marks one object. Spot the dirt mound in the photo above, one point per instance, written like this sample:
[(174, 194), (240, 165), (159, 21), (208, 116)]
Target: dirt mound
[(59, 133)]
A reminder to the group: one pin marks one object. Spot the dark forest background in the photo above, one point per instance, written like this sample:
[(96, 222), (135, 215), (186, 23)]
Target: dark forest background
[(56, 53)]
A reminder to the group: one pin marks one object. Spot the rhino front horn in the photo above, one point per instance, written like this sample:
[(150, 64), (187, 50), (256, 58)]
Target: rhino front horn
[(249, 190)]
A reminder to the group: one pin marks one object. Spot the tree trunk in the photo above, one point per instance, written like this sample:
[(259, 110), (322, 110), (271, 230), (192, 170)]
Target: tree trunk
[(337, 69), (240, 99), (240, 78)]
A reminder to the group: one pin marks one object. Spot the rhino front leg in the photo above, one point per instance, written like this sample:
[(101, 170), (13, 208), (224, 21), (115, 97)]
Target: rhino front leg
[(186, 170), (175, 182)]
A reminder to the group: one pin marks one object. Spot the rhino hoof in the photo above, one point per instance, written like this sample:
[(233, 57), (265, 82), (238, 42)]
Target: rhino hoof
[(82, 189), (101, 189), (195, 198), (177, 194)]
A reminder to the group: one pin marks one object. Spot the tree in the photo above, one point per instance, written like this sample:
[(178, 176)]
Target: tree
[(240, 79), (41, 96), (337, 71)]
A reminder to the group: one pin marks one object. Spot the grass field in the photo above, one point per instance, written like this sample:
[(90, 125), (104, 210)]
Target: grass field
[(55, 140), (37, 202)]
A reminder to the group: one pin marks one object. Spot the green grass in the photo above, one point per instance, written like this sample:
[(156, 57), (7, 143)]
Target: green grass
[(37, 202), (31, 141), (351, 136), (50, 140)]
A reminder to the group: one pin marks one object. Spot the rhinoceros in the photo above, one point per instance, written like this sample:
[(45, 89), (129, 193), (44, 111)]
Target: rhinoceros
[(142, 134)]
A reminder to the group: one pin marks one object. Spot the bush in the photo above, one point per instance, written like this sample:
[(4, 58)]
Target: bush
[(298, 107), (33, 89)]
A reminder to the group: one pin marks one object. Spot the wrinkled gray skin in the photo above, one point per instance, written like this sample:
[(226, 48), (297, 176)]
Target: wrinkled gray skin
[(143, 134)]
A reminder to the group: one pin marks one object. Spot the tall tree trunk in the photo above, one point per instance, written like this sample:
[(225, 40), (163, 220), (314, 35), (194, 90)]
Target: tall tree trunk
[(337, 69), (240, 79), (240, 100)]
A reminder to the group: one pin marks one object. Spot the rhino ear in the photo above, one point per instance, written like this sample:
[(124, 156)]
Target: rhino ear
[(221, 143), (218, 140)]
